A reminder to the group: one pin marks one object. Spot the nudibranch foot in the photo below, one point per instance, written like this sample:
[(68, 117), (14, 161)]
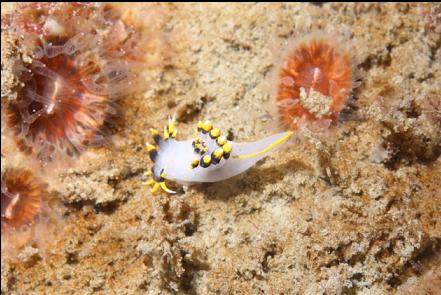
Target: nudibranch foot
[(209, 157)]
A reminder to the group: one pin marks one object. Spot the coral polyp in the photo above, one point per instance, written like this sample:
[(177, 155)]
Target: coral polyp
[(83, 59), (21, 199), (314, 83), (61, 108), (29, 213), (48, 17)]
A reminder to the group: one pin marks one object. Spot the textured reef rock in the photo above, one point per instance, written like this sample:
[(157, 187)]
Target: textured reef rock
[(353, 210)]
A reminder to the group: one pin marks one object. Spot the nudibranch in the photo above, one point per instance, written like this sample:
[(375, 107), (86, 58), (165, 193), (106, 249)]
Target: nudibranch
[(209, 157)]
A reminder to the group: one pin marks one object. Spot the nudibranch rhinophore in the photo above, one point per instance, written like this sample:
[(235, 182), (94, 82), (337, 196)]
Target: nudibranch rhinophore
[(209, 157)]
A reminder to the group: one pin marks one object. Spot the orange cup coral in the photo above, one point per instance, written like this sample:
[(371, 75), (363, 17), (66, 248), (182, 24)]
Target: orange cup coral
[(29, 214), (314, 83), (85, 56), (21, 199)]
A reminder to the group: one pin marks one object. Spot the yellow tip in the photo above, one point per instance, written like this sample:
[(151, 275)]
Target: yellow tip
[(206, 159), (206, 126), (215, 132), (221, 140), (166, 134), (155, 187), (227, 147), (150, 181), (171, 126), (165, 188), (154, 131), (218, 152), (150, 147)]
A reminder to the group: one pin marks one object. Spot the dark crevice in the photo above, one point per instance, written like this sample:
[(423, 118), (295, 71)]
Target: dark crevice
[(268, 254), (406, 148), (423, 260), (191, 266), (107, 208), (237, 45), (378, 60)]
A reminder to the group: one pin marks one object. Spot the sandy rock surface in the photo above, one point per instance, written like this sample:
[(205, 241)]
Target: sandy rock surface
[(356, 210)]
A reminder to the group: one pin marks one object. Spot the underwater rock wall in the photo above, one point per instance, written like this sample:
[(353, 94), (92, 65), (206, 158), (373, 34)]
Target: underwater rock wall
[(353, 209)]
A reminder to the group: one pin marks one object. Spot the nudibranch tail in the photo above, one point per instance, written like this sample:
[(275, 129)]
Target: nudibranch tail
[(209, 157), (269, 147)]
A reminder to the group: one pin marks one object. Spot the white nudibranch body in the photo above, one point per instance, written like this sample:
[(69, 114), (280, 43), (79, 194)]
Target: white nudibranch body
[(210, 157)]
